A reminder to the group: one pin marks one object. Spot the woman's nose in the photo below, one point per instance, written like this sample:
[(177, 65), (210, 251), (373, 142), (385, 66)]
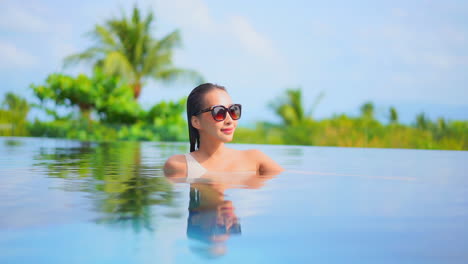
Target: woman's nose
[(228, 120)]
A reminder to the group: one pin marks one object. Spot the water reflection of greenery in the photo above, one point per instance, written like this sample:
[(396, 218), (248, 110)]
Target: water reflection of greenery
[(121, 186)]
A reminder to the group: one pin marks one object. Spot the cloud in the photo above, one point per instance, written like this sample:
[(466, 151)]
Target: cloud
[(439, 48), (20, 19), (403, 38), (34, 33), (250, 39), (195, 15), (14, 57)]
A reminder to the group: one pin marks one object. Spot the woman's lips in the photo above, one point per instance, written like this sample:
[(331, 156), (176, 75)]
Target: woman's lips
[(227, 130)]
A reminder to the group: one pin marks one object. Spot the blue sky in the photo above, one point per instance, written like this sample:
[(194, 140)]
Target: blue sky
[(409, 54)]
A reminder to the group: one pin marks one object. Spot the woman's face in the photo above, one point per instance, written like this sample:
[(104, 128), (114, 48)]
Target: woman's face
[(207, 126)]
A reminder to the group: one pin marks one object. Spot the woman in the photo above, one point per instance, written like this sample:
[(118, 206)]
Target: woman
[(212, 120)]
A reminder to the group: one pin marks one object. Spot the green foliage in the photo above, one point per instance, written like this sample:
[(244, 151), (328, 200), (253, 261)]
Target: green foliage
[(94, 131), (13, 113), (112, 100), (393, 115), (126, 47), (169, 115), (345, 131), (164, 121), (290, 109), (367, 110), (421, 121), (15, 103), (120, 115), (125, 54), (364, 131)]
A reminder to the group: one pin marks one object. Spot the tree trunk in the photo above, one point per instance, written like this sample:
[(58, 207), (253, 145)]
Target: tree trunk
[(85, 110), (136, 89)]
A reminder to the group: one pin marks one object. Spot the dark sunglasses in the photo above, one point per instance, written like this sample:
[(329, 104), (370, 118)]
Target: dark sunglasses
[(219, 111)]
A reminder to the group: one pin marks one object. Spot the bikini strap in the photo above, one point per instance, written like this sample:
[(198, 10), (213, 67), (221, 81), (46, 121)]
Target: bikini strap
[(194, 168)]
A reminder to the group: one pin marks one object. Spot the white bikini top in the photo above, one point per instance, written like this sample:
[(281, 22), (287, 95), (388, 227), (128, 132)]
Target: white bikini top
[(194, 168)]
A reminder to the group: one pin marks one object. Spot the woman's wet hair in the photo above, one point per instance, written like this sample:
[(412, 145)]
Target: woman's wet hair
[(195, 103)]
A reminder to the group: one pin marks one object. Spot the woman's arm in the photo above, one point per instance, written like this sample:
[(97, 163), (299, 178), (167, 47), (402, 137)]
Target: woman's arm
[(265, 163), (175, 167)]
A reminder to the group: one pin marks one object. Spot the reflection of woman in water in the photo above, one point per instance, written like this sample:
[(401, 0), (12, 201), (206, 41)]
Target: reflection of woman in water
[(211, 220), (212, 120)]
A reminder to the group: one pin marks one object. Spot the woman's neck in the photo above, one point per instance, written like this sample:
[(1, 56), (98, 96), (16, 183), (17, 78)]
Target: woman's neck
[(211, 148)]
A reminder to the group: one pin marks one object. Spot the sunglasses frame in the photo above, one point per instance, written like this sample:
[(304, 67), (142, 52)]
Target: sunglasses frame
[(211, 108)]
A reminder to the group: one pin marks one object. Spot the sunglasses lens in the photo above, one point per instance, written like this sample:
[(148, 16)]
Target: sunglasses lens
[(219, 113), (235, 111)]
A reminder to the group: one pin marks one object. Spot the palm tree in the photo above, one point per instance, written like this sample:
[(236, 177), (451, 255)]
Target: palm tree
[(291, 109), (367, 111), (393, 115), (422, 122), (13, 115), (19, 106), (125, 47)]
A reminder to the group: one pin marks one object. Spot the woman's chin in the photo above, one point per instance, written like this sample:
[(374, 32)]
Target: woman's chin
[(227, 138)]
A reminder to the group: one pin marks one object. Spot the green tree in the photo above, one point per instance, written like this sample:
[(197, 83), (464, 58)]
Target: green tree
[(290, 107), (106, 95), (126, 47), (16, 104), (393, 115), (441, 124), (367, 111), (421, 121), (13, 114)]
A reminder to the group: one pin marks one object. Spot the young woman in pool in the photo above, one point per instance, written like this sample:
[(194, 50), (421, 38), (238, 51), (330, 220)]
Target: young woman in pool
[(212, 120)]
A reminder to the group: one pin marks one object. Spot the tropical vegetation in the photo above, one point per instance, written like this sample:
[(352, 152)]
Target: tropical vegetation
[(297, 128), (165, 122), (13, 116), (125, 47), (103, 105)]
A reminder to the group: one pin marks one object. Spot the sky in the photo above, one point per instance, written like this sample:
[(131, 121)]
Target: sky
[(412, 55)]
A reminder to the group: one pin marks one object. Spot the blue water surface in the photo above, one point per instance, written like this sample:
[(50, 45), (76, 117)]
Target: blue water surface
[(64, 201)]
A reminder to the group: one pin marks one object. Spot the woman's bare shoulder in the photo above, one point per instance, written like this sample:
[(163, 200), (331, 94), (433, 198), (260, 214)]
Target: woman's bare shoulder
[(175, 166), (265, 163), (254, 153)]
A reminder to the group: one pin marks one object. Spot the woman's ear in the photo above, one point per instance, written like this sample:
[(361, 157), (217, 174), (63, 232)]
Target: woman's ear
[(195, 122)]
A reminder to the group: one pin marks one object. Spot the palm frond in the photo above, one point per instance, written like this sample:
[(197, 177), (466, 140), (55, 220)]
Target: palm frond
[(175, 74), (104, 36), (90, 55), (125, 46), (316, 102), (136, 16), (156, 61), (116, 63), (290, 107), (170, 41), (295, 100)]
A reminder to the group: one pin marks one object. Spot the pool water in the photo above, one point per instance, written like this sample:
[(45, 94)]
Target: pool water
[(65, 201)]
